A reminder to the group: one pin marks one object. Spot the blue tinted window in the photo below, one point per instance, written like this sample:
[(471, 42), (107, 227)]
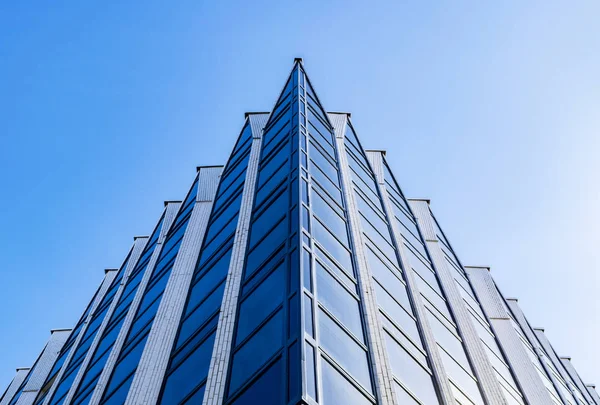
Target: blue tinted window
[(256, 351), (267, 390), (334, 222), (119, 396), (261, 302), (189, 374), (344, 350), (326, 184), (201, 313), (338, 301), (275, 238), (269, 217), (397, 313), (325, 165), (332, 245)]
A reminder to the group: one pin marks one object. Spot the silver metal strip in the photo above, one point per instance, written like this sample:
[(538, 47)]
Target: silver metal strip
[(170, 214), (219, 362), (575, 377), (439, 374), (533, 389), (109, 276), (384, 380), (147, 381), (14, 385), (549, 350), (43, 366), (482, 367), (138, 247), (591, 388), (531, 336)]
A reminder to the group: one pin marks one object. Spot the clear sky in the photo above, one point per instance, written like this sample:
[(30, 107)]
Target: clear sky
[(491, 109)]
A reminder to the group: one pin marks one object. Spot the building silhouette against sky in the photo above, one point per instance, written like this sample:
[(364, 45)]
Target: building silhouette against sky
[(298, 273)]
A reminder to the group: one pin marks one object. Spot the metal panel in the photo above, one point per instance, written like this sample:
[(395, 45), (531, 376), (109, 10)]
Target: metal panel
[(170, 214), (151, 369), (437, 366), (219, 362), (14, 385), (549, 350), (109, 276), (43, 366), (376, 159), (257, 123), (531, 336), (484, 372), (208, 182), (533, 389), (575, 378), (384, 380), (338, 120), (138, 247), (591, 388), (486, 292), (420, 209)]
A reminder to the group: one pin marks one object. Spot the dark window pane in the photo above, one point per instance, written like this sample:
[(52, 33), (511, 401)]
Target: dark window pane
[(189, 374), (267, 390), (261, 302), (201, 313), (255, 352)]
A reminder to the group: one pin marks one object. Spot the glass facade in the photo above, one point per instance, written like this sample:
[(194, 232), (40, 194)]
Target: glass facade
[(314, 281)]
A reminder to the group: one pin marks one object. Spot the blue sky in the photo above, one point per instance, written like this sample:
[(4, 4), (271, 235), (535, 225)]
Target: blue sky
[(490, 109)]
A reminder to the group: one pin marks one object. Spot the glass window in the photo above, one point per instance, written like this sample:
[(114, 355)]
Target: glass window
[(189, 374), (334, 222), (403, 396), (308, 316), (448, 340), (337, 390), (120, 395), (261, 251), (201, 313), (261, 302), (381, 242), (325, 183), (461, 378), (311, 384), (338, 301), (397, 313), (324, 164), (269, 217), (332, 245), (410, 372), (270, 185), (266, 390), (343, 274), (256, 351), (127, 364), (344, 349)]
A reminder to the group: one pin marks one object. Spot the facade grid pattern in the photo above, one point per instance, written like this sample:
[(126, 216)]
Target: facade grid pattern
[(299, 273)]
